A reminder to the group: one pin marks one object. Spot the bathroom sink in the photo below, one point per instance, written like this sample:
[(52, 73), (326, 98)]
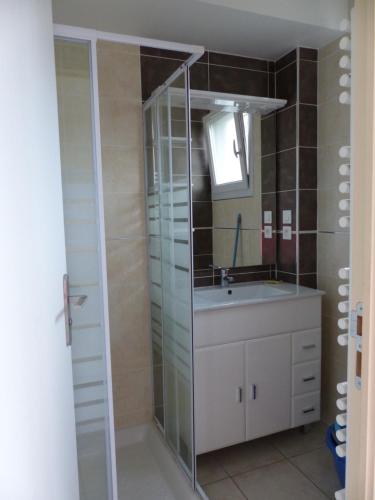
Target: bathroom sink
[(216, 297), (238, 293)]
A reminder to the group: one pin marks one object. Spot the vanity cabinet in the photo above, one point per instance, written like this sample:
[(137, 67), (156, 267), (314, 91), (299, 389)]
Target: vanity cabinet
[(256, 381), (219, 396), (268, 381)]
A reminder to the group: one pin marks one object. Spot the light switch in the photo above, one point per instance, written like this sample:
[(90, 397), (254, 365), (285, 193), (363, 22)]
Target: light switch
[(287, 216), (268, 232), (267, 217), (287, 233)]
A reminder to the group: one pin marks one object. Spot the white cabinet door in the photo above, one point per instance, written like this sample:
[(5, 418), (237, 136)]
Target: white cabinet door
[(219, 397), (268, 385)]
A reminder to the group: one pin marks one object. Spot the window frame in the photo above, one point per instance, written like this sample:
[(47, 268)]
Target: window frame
[(244, 187)]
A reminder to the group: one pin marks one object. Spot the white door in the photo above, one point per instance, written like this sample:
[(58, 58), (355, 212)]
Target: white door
[(219, 406), (268, 379), (38, 459)]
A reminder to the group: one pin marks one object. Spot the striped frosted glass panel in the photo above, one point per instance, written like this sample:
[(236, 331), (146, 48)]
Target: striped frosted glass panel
[(83, 258)]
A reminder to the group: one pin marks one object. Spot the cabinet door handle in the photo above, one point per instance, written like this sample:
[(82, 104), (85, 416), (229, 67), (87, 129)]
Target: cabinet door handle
[(253, 394), (309, 346), (309, 379), (239, 394), (308, 410)]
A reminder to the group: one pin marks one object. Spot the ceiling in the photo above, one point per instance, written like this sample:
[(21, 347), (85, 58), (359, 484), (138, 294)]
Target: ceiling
[(214, 24)]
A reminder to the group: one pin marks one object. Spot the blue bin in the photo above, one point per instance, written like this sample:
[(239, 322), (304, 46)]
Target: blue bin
[(339, 462)]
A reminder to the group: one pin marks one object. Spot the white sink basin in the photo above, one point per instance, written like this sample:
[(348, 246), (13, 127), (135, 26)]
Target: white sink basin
[(218, 297)]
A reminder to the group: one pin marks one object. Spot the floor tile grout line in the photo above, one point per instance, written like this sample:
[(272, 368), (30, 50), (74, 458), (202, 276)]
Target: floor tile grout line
[(289, 457), (239, 489), (310, 480), (257, 468)]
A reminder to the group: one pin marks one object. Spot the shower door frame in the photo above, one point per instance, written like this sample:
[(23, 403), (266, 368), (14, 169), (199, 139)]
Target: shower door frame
[(184, 69)]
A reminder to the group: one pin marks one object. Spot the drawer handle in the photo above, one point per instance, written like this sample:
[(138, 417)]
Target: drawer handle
[(308, 410), (253, 394), (239, 394), (309, 379), (309, 346)]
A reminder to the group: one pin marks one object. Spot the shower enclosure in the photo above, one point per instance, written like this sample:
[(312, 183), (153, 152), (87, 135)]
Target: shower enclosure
[(168, 188)]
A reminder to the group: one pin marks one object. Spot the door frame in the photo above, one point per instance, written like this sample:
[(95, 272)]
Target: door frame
[(361, 402)]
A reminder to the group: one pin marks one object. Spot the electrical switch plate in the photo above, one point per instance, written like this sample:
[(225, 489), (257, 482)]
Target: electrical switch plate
[(268, 232), (287, 233), (287, 216), (267, 217)]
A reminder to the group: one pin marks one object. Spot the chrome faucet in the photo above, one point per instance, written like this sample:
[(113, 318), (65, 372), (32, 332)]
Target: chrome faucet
[(225, 279)]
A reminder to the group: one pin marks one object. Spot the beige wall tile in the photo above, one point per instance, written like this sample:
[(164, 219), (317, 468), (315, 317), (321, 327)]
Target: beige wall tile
[(122, 173), (328, 166), (119, 73), (133, 391), (333, 123), (124, 215), (334, 252), (332, 241), (123, 185), (120, 122), (328, 210), (328, 50), (328, 74)]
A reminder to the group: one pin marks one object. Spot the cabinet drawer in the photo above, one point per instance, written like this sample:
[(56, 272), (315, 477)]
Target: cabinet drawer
[(306, 377), (305, 409), (306, 345)]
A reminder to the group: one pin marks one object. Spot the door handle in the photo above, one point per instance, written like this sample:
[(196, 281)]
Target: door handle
[(68, 319), (76, 301)]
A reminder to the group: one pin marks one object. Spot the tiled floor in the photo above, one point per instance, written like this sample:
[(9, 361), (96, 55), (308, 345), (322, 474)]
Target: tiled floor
[(139, 476), (286, 466)]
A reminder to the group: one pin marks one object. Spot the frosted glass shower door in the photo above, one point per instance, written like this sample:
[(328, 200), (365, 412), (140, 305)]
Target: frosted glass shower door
[(84, 252), (169, 226), (176, 274)]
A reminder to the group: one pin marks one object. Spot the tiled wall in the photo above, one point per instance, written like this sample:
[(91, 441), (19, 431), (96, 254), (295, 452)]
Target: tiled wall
[(333, 241), (296, 157), (123, 184), (220, 73)]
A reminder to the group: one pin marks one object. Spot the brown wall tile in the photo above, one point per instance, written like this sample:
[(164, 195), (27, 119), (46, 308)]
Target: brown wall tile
[(308, 85), (220, 59), (307, 253), (308, 122), (285, 60), (308, 168), (286, 169), (286, 200), (286, 84), (286, 129), (307, 209), (238, 81)]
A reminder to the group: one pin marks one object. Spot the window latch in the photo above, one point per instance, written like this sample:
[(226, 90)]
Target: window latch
[(235, 151)]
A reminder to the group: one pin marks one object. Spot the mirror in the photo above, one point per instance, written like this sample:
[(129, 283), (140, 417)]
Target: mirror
[(233, 147), (233, 144)]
